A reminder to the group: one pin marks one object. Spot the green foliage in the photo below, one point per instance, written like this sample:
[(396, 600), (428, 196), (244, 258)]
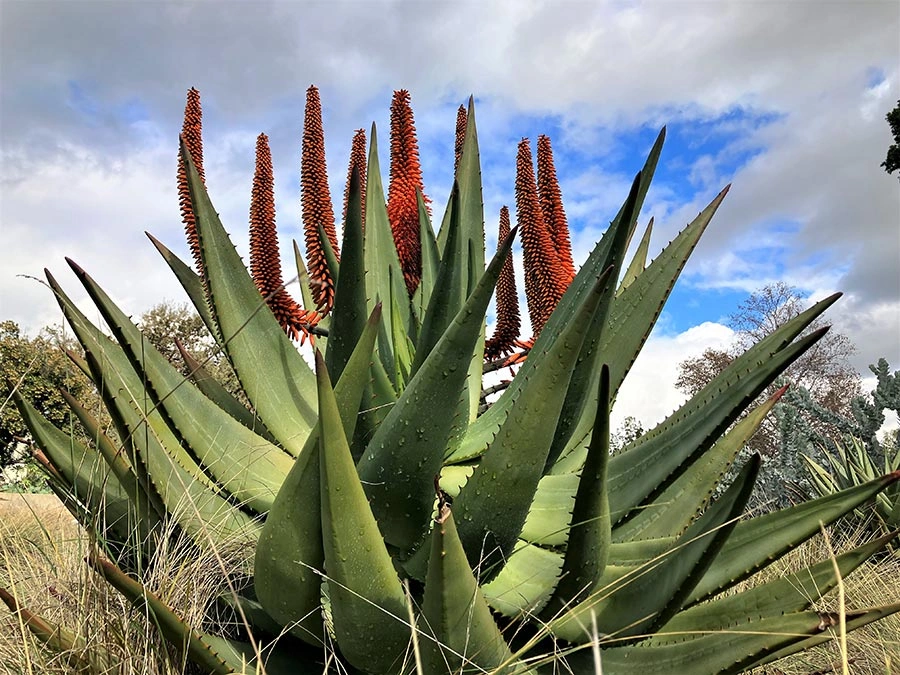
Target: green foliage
[(850, 463), (37, 368), (892, 162), (384, 511)]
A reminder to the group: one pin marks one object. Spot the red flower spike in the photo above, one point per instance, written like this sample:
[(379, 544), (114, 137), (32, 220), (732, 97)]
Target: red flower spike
[(315, 200), (357, 161), (552, 208), (544, 283), (265, 262), (406, 177), (462, 119), (192, 133), (506, 332)]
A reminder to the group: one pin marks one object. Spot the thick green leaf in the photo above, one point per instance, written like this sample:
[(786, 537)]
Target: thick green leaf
[(192, 284), (348, 316), (367, 601), (455, 616), (470, 241), (549, 515), (632, 317), (854, 619), (248, 465), (643, 471), (72, 647), (290, 557), (579, 409), (303, 278), (197, 504), (173, 628), (480, 432), (491, 507), (147, 511), (450, 290), (639, 261), (755, 543), (276, 379), (525, 583), (384, 277), (219, 395), (431, 260), (588, 546), (89, 478), (400, 463), (721, 651), (630, 601), (782, 595), (673, 510)]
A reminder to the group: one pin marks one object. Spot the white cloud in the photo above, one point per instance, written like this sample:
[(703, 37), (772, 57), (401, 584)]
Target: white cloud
[(85, 175), (648, 392)]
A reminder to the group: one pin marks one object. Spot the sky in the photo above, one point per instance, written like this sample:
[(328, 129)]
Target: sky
[(783, 100)]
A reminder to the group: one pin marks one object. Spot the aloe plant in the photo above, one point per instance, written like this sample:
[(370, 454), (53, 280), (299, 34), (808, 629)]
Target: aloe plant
[(400, 523), (850, 464)]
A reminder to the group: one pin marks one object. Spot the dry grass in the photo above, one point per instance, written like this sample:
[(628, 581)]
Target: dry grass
[(42, 563), (42, 554), (872, 650)]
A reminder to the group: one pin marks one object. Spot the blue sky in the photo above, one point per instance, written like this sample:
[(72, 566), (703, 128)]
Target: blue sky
[(786, 101)]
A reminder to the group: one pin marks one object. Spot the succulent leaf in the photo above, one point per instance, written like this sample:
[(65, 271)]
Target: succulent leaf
[(406, 452), (367, 600), (283, 397)]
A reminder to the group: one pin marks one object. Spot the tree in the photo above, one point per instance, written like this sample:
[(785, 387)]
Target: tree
[(823, 371), (37, 368), (627, 432), (167, 322), (892, 161)]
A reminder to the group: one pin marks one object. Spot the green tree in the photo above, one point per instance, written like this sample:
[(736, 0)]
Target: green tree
[(167, 324), (37, 368), (892, 162)]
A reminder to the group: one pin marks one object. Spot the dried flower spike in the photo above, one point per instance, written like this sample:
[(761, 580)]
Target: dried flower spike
[(357, 161), (192, 134), (545, 280), (265, 262), (406, 178), (315, 199), (552, 208), (462, 119), (506, 332)]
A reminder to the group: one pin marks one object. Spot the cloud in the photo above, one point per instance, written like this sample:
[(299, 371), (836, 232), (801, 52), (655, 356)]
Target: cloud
[(648, 392), (784, 100)]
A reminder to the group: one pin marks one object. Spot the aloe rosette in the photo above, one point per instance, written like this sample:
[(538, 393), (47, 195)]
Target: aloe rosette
[(400, 524)]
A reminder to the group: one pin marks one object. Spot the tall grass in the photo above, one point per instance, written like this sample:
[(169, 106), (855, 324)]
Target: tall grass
[(42, 554)]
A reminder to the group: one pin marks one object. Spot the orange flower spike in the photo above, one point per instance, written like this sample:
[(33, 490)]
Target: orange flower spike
[(506, 332), (357, 161), (552, 208), (543, 287), (315, 200), (192, 133), (462, 119), (265, 262), (406, 177)]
